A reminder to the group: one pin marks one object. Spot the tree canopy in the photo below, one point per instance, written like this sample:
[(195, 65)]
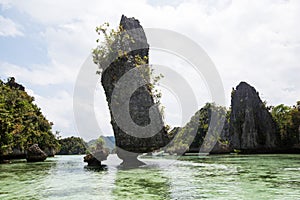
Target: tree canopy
[(72, 145), (192, 135), (288, 122), (22, 123)]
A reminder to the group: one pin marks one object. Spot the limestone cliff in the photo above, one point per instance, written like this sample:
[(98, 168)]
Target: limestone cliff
[(140, 101), (252, 128)]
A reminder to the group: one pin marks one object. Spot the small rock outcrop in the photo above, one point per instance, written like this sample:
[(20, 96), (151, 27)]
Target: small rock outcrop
[(35, 154), (94, 160), (252, 128)]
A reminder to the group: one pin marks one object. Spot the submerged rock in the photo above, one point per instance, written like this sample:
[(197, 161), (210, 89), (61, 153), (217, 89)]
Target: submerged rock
[(252, 128), (35, 154), (95, 159)]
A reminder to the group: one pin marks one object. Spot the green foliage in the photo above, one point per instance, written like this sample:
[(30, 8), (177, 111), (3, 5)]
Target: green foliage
[(109, 143), (185, 140), (288, 122), (100, 143), (110, 47), (21, 121), (114, 46), (97, 145), (72, 145), (236, 151)]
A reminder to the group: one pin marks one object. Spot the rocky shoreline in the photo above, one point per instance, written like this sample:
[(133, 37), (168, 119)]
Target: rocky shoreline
[(32, 154)]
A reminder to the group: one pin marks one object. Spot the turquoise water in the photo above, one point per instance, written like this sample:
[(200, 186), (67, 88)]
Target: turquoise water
[(211, 177)]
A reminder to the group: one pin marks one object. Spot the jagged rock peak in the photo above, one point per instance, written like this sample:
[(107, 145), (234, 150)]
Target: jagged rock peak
[(244, 85), (246, 89), (129, 23), (251, 124), (136, 31)]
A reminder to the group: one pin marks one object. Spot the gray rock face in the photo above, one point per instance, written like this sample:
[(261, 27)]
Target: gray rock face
[(252, 128), (206, 132), (15, 153), (35, 154), (140, 101), (223, 144), (50, 151)]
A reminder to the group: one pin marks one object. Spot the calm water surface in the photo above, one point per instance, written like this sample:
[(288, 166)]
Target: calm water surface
[(211, 177)]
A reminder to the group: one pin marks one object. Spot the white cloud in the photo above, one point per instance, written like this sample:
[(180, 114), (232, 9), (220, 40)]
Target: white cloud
[(57, 109), (253, 41), (5, 4), (9, 27), (39, 75)]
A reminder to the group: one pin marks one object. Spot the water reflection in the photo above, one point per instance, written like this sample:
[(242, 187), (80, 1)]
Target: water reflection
[(96, 168), (144, 182)]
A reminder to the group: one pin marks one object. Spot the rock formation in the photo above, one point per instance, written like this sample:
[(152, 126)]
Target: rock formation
[(141, 100), (223, 144), (35, 154), (94, 160), (191, 137), (50, 151), (252, 128), (249, 129)]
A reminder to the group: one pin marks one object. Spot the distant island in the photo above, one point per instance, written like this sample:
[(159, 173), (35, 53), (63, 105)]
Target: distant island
[(76, 145), (250, 126)]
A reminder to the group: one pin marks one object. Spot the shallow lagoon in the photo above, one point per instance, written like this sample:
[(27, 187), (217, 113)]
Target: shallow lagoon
[(190, 177)]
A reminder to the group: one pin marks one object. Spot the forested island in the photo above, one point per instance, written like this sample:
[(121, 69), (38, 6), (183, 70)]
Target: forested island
[(72, 146), (250, 126), (22, 125), (76, 145)]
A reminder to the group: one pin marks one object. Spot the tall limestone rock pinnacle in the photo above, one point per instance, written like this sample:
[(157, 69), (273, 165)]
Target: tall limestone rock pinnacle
[(251, 125), (141, 100)]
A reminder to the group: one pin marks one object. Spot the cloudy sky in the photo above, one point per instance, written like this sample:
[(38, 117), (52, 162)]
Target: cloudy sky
[(44, 44)]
